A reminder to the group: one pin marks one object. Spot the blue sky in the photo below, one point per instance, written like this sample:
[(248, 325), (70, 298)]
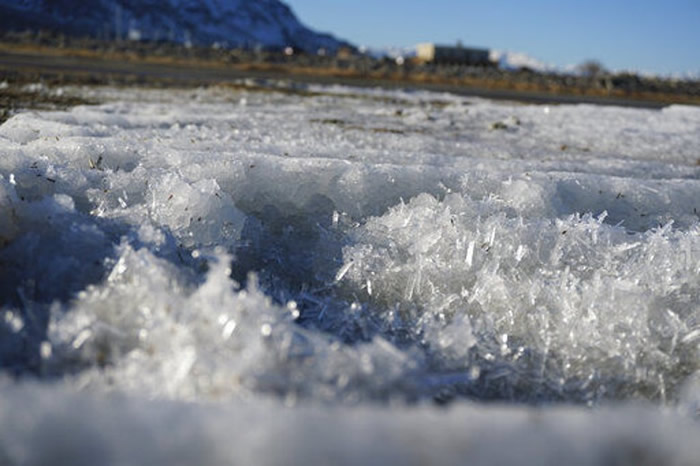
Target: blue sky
[(643, 35)]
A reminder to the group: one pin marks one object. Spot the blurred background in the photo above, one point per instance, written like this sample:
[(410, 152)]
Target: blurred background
[(641, 53)]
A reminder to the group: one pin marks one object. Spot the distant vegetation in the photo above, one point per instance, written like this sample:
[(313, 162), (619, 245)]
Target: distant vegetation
[(592, 68), (590, 79)]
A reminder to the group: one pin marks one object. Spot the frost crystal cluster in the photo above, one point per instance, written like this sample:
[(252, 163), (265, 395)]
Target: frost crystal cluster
[(353, 254)]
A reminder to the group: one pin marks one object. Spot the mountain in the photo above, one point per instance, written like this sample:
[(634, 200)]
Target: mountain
[(515, 60), (233, 23)]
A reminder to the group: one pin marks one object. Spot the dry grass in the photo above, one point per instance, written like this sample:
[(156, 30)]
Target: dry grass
[(401, 77)]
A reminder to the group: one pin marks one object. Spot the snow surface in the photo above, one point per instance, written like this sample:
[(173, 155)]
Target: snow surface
[(301, 274)]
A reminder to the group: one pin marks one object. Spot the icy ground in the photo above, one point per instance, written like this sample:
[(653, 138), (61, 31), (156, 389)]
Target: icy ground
[(333, 275)]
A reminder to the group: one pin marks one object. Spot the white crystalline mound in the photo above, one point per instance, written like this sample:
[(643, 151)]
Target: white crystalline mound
[(344, 247), (567, 307), (151, 334)]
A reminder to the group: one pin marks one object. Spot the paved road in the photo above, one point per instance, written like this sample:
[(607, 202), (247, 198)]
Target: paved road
[(130, 71)]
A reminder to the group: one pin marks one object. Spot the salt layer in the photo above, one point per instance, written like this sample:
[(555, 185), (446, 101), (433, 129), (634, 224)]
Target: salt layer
[(259, 249)]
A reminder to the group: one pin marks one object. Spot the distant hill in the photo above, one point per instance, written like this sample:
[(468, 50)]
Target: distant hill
[(232, 23)]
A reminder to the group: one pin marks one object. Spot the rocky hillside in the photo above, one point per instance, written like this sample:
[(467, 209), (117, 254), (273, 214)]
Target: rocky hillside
[(230, 23)]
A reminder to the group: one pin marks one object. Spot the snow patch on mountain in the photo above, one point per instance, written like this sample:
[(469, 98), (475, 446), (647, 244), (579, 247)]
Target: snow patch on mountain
[(510, 60)]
